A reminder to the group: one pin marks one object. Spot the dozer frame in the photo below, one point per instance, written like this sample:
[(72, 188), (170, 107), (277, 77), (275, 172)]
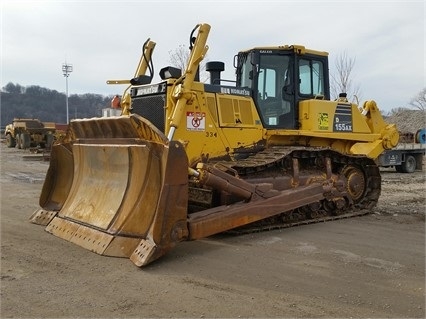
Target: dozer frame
[(187, 160)]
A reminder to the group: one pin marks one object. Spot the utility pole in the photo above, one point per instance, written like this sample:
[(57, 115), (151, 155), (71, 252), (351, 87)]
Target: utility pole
[(66, 70)]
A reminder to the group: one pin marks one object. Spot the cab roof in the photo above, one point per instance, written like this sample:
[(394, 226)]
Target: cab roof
[(299, 49)]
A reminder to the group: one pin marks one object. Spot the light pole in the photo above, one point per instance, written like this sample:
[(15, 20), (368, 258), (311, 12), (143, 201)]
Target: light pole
[(66, 70)]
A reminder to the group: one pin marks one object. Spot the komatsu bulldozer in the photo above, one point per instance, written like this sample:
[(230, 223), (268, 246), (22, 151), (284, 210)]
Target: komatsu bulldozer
[(187, 159)]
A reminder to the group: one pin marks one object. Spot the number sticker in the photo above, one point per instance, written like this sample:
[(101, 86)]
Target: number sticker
[(211, 134)]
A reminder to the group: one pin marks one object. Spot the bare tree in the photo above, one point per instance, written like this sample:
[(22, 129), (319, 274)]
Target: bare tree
[(342, 80), (419, 102), (179, 58)]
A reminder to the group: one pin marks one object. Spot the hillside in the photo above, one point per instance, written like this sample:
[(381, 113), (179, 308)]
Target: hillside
[(47, 105)]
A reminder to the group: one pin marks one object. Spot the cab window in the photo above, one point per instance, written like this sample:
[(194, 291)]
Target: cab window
[(311, 78), (267, 83)]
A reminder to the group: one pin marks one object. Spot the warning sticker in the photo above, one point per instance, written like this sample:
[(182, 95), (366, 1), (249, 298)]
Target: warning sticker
[(323, 121), (195, 121)]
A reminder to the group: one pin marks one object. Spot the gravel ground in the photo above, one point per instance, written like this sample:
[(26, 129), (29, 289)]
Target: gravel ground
[(371, 266)]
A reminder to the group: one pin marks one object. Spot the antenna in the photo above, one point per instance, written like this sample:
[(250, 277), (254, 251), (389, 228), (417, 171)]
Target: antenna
[(66, 70)]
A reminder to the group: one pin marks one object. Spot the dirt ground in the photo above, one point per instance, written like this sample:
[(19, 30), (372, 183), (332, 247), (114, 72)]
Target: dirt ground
[(371, 266)]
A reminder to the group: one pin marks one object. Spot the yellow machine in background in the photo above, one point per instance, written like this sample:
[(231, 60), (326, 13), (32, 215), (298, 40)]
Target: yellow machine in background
[(188, 159)]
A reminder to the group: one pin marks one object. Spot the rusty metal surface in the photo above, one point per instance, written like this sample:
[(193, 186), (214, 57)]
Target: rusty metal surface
[(110, 185), (59, 178), (345, 186), (103, 183), (126, 130), (92, 239), (219, 219), (123, 127), (143, 253), (42, 217)]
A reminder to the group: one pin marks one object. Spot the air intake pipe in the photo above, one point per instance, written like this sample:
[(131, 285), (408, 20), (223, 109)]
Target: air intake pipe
[(214, 68)]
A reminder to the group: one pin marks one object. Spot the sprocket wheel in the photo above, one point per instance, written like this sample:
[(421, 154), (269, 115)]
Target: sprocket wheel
[(355, 182)]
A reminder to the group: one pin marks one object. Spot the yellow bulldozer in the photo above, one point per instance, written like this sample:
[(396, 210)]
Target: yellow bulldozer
[(187, 159)]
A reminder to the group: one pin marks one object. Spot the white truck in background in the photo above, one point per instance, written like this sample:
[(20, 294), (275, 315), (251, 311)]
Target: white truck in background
[(408, 155)]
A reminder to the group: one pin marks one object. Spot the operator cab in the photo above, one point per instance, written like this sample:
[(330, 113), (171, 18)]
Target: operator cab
[(281, 77)]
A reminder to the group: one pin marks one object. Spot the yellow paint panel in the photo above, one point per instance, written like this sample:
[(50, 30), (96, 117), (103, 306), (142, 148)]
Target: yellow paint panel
[(236, 111), (211, 104), (319, 116), (226, 111)]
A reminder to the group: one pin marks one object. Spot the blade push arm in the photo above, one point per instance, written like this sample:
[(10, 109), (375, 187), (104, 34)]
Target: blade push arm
[(182, 90)]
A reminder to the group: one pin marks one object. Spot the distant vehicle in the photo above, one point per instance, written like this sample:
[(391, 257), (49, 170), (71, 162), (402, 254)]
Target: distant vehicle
[(407, 156), (26, 133)]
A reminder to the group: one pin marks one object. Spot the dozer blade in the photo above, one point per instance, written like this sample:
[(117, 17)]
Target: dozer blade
[(117, 187)]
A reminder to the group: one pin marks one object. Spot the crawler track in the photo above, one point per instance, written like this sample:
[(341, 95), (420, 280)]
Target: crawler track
[(356, 183), (254, 228)]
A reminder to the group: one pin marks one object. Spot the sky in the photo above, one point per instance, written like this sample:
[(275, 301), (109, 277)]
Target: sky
[(102, 40)]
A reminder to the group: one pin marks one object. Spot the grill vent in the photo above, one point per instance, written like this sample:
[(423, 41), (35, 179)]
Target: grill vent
[(152, 108)]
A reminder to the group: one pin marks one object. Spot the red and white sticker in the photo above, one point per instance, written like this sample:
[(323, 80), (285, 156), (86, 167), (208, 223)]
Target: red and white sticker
[(196, 121)]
